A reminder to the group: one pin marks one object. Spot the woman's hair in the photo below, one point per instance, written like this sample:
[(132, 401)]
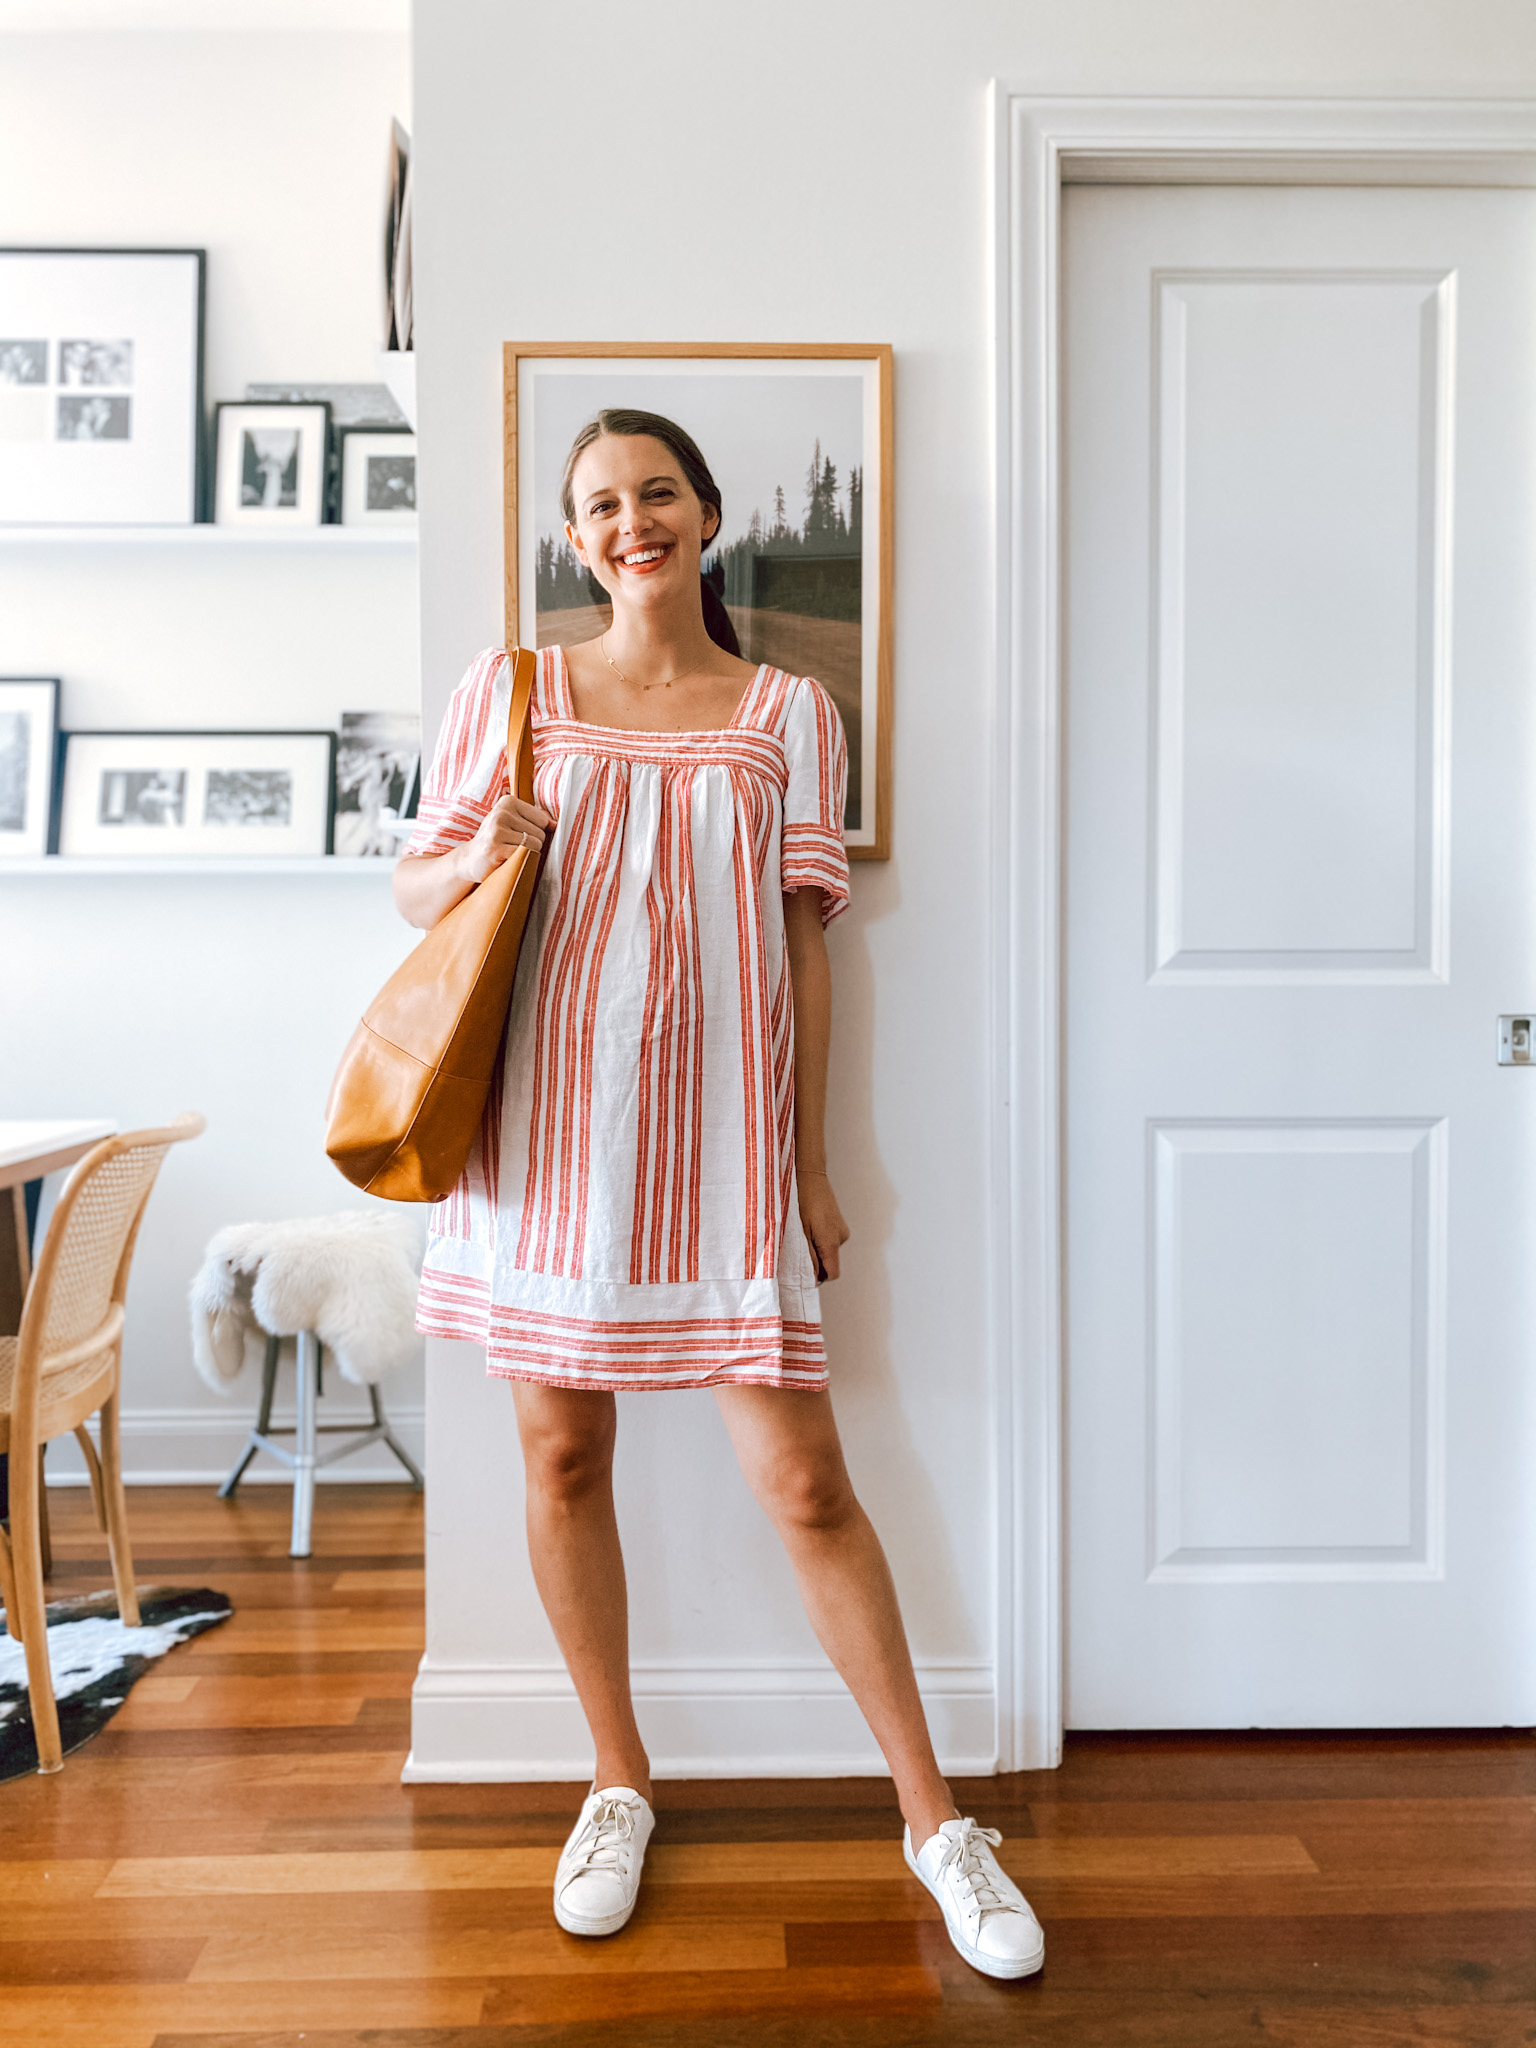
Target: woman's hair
[(626, 419)]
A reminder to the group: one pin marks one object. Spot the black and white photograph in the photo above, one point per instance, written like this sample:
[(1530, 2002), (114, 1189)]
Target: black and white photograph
[(391, 483), (378, 479), (15, 746), (197, 795), (378, 768), (23, 362), (101, 371), (796, 440), (96, 362), (142, 796), (248, 796), (270, 463), (99, 417), (269, 467), (29, 712)]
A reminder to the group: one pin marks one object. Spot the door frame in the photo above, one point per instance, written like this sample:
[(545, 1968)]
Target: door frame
[(1041, 144)]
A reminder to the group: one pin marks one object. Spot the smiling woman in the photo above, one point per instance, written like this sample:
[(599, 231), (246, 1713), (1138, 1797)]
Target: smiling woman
[(630, 421), (648, 1205)]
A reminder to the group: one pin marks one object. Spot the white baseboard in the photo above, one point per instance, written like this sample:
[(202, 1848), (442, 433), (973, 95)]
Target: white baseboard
[(517, 1724), (192, 1447)]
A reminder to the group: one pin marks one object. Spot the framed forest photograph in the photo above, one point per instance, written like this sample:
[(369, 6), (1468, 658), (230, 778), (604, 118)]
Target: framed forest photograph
[(799, 441)]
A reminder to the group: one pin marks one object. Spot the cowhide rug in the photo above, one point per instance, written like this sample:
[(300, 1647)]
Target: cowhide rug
[(95, 1663)]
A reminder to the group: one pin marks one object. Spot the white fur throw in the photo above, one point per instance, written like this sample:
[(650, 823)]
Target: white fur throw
[(350, 1278)]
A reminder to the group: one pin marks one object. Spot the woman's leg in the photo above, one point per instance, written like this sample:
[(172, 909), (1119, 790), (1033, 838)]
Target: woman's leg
[(573, 1542), (789, 1450)]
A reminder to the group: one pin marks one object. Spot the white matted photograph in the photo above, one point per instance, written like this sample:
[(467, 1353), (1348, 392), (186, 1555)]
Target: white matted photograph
[(200, 795), (29, 722), (269, 464), (798, 440), (101, 365), (378, 479)]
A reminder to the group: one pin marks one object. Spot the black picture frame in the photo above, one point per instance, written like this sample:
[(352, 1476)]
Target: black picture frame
[(326, 778), (40, 771), (341, 436), (197, 482), (255, 517)]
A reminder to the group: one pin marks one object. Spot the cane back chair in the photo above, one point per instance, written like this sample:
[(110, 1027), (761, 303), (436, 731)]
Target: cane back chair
[(64, 1365)]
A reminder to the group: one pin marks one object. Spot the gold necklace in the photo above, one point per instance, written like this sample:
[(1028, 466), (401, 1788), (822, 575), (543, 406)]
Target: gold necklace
[(603, 647)]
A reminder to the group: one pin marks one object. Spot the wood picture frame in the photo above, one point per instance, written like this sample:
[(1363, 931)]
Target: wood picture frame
[(807, 594)]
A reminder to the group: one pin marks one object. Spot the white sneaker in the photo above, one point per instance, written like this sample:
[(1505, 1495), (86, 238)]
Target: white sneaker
[(598, 1875), (988, 1917)]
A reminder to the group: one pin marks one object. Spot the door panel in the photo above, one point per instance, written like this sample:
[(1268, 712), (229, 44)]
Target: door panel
[(1300, 517), (1301, 1205)]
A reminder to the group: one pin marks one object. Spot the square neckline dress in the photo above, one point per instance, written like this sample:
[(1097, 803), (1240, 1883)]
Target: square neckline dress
[(628, 1218)]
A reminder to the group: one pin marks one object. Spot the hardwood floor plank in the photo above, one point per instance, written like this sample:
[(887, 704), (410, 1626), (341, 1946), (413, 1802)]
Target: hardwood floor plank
[(286, 1915), (1255, 1816), (48, 1879), (1436, 1959), (162, 1960), (317, 1955), (264, 1633), (380, 1582), (103, 2016), (779, 1995), (403, 1870)]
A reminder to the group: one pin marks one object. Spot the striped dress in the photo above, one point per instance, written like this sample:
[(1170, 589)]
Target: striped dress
[(628, 1218)]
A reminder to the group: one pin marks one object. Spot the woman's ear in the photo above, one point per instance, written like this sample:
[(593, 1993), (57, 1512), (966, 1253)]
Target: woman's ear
[(575, 540), (713, 534)]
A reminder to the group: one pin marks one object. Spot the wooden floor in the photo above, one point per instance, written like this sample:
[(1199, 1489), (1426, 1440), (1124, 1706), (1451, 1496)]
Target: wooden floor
[(235, 1860)]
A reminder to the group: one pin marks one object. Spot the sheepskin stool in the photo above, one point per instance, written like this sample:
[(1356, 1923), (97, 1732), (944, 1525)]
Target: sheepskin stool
[(344, 1284)]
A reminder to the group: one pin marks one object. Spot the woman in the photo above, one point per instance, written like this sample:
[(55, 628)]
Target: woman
[(648, 1205)]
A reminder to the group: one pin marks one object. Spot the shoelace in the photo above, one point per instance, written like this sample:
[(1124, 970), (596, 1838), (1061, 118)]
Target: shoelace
[(963, 1855), (598, 1845)]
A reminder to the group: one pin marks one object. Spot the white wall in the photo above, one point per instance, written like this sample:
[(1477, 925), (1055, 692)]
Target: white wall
[(819, 173), (130, 996)]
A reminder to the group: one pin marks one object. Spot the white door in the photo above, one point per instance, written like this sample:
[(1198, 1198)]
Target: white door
[(1301, 887)]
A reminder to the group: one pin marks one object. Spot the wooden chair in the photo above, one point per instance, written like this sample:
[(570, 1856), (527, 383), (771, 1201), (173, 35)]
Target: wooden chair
[(64, 1365)]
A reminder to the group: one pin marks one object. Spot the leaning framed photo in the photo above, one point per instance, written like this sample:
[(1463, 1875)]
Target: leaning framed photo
[(269, 463), (378, 478), (799, 440), (101, 376), (198, 795), (29, 722)]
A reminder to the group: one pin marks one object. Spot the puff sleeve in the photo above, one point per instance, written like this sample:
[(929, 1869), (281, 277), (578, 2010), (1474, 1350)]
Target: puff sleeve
[(816, 754), (468, 775)]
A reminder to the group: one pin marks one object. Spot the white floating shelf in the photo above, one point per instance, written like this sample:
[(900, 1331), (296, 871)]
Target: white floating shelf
[(267, 864), (324, 539)]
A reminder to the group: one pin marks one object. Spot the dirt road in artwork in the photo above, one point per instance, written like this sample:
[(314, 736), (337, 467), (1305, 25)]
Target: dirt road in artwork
[(831, 650)]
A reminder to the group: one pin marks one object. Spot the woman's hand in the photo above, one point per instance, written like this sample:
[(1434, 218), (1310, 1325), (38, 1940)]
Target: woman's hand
[(825, 1231), (510, 825)]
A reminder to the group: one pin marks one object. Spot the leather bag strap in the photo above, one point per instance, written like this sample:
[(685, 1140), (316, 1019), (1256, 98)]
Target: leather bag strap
[(525, 667)]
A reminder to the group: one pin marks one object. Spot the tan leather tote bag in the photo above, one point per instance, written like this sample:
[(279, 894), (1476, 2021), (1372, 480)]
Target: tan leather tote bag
[(410, 1091)]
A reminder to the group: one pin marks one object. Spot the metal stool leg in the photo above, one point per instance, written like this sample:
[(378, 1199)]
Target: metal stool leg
[(387, 1435), (304, 1443), (263, 1418)]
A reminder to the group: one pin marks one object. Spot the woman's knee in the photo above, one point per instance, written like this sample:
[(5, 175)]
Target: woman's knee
[(806, 1491), (567, 1449)]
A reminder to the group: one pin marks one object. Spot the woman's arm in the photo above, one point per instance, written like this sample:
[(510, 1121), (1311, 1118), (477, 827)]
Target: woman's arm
[(810, 976), (428, 885)]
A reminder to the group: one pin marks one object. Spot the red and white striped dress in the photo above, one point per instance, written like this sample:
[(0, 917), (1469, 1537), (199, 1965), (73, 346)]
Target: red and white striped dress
[(628, 1218)]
